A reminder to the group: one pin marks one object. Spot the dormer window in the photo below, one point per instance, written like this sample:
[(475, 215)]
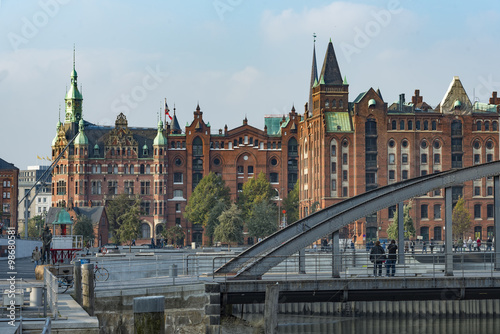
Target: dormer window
[(327, 103)]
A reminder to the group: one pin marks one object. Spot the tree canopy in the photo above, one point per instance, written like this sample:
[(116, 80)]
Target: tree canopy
[(291, 205), (263, 220), (230, 228), (115, 209), (461, 219), (130, 223), (83, 227), (254, 191), (409, 227), (175, 234), (208, 200)]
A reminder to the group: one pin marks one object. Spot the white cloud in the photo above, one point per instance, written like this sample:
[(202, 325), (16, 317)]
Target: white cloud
[(247, 76)]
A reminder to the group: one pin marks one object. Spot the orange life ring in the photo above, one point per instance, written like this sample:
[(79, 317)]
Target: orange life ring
[(104, 250)]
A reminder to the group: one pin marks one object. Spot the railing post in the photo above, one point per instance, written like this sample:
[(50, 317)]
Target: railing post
[(448, 254), (88, 288), (302, 261), (336, 259), (401, 234), (496, 244), (77, 279)]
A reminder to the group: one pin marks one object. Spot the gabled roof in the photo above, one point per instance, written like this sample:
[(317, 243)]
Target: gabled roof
[(338, 122), (456, 92), (6, 165), (273, 125)]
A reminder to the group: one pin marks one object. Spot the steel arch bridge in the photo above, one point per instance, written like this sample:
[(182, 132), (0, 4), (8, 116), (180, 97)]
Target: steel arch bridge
[(258, 259)]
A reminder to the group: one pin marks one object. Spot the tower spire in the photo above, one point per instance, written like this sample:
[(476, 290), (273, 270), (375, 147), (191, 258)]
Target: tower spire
[(314, 73), (330, 73), (74, 56)]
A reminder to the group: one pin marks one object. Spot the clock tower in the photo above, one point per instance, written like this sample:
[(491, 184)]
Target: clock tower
[(73, 99)]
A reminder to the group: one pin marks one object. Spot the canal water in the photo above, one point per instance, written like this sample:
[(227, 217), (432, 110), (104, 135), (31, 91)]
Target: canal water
[(325, 324)]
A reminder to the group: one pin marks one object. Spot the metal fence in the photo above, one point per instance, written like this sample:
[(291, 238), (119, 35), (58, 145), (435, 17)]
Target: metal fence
[(52, 287)]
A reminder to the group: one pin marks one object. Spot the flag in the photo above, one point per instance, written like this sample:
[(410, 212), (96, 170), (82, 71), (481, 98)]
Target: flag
[(39, 157), (167, 111), (48, 159)]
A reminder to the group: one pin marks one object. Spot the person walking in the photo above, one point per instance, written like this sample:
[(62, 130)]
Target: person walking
[(36, 256), (412, 246), (391, 259), (377, 257), (424, 247), (478, 242), (460, 243), (489, 242), (469, 244)]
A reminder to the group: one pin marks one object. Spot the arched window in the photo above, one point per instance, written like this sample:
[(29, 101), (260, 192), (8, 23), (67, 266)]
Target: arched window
[(145, 231), (132, 169), (327, 103), (197, 146), (434, 125), (115, 169), (401, 125), (143, 168), (393, 125), (125, 169), (148, 169), (110, 169), (494, 126), (293, 147), (486, 126), (479, 125), (334, 103)]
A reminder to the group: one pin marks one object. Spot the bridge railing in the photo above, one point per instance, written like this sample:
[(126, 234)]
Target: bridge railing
[(318, 265)]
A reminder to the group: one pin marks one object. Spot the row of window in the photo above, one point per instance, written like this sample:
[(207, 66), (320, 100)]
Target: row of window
[(334, 103), (437, 214), (418, 125), (6, 194), (486, 124), (6, 184)]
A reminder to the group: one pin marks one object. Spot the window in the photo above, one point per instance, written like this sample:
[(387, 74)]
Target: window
[(344, 175), (478, 125), (392, 159), (404, 175), (477, 211), (494, 126), (417, 125), (434, 125), (112, 187), (410, 125), (404, 143), (392, 143), (426, 125), (334, 150), (240, 186), (196, 179), (391, 175), (146, 208), (401, 125), (197, 147), (437, 211), (391, 211), (61, 188), (96, 187), (344, 192), (334, 185), (404, 158), (197, 164), (477, 159), (437, 158), (334, 167), (274, 162), (489, 210), (424, 214), (110, 169), (273, 178), (178, 193), (129, 187), (250, 169), (423, 158), (178, 177), (145, 187), (370, 178), (486, 126), (477, 191), (393, 125), (489, 191), (177, 207), (489, 144), (132, 169), (344, 159), (423, 172), (489, 157), (240, 169)]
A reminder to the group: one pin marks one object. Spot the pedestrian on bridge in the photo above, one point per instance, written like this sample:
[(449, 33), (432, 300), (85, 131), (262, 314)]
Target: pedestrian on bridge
[(391, 259), (377, 257)]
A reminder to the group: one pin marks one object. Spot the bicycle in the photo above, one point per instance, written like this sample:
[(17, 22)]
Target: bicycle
[(65, 282), (101, 274)]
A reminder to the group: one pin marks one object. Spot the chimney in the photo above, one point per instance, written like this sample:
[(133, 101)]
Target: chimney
[(494, 99), (401, 101)]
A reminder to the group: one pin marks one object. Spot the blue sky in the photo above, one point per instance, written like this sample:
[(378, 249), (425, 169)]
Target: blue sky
[(236, 58)]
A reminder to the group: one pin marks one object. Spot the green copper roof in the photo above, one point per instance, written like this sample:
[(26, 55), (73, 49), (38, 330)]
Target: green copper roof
[(273, 125), (81, 138), (322, 80), (457, 104), (160, 139), (484, 107), (345, 80), (315, 82), (338, 122), (96, 146), (372, 102), (73, 93), (63, 217)]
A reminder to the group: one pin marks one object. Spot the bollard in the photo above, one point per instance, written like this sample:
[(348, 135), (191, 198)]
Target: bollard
[(88, 288), (271, 309), (77, 282), (173, 272), (149, 315)]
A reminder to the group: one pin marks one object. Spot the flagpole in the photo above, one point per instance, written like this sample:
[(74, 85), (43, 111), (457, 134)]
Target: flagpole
[(165, 113)]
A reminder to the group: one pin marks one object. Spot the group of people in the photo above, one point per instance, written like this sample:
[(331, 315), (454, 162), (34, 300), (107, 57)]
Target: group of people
[(378, 257), (473, 245)]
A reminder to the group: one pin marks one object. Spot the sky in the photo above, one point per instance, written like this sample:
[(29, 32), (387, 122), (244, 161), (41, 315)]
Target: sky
[(236, 58)]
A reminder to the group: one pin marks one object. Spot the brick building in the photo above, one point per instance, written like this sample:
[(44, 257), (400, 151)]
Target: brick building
[(347, 148), (9, 175), (164, 164)]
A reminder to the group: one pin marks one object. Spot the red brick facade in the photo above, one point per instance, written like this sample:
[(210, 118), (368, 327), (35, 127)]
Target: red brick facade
[(9, 176)]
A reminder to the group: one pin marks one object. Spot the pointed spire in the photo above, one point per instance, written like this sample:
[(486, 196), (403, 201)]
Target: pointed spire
[(330, 73), (293, 108), (314, 73), (198, 106), (345, 80)]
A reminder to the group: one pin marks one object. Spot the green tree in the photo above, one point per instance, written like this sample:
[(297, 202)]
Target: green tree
[(461, 219), (85, 228), (409, 227), (263, 220), (291, 204), (130, 223), (174, 233), (115, 209), (254, 191), (230, 228), (208, 200)]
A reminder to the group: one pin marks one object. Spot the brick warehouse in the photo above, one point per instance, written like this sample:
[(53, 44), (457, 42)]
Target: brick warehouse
[(341, 149), (164, 164), (347, 148)]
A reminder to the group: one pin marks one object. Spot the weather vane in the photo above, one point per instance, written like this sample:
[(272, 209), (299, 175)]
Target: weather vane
[(314, 36)]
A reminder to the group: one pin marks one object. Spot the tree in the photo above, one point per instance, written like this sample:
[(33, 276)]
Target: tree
[(115, 209), (409, 228), (263, 220), (208, 200), (174, 233), (254, 191), (291, 204), (230, 228), (35, 226), (130, 223), (461, 219), (84, 227)]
